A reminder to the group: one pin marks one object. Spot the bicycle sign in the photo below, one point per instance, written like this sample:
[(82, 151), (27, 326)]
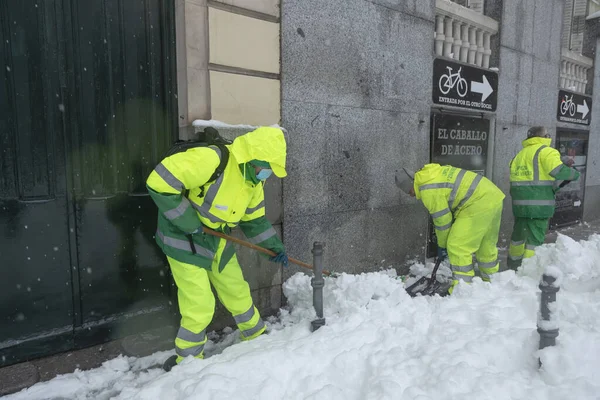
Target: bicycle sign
[(574, 108), (567, 105), (465, 86), (449, 80)]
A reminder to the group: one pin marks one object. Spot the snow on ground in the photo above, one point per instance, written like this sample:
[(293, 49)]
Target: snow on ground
[(479, 343)]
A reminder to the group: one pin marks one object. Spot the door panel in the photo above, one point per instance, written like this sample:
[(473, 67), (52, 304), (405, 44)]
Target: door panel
[(36, 299), (572, 145), (125, 122), (87, 107)]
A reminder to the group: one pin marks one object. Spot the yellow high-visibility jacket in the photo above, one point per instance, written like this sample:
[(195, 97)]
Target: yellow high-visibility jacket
[(533, 174), (231, 200), (449, 192)]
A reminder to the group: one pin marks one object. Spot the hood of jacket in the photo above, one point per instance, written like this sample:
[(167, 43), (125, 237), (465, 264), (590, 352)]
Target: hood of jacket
[(428, 173), (265, 144), (537, 141)]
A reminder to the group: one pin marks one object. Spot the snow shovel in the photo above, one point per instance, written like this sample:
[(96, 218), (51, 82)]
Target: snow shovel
[(257, 248), (426, 286)]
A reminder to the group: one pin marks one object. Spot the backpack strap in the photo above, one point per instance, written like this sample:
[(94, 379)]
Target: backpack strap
[(224, 160), (224, 156)]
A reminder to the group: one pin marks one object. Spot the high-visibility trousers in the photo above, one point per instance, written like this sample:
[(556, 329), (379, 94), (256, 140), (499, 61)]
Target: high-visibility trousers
[(474, 233), (527, 234), (197, 303)]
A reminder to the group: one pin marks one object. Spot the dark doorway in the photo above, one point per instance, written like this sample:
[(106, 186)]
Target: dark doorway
[(572, 145), (87, 107)]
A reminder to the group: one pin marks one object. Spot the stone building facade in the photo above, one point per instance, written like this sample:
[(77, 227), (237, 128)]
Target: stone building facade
[(352, 82)]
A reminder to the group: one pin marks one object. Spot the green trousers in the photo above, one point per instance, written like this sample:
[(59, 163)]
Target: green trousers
[(527, 234)]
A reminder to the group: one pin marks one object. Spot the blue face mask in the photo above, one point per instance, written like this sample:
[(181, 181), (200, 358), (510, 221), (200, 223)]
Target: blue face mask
[(263, 174)]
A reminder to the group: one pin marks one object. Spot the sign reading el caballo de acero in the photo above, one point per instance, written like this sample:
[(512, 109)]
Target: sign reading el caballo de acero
[(574, 108), (464, 86), (460, 141)]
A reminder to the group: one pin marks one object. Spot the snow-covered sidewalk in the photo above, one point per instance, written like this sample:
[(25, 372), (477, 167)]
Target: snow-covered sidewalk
[(479, 343)]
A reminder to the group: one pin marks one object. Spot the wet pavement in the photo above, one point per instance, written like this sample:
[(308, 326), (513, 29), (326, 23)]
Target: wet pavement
[(19, 376)]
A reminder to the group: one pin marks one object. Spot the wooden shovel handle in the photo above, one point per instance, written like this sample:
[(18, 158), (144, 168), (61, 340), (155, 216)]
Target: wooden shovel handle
[(257, 248)]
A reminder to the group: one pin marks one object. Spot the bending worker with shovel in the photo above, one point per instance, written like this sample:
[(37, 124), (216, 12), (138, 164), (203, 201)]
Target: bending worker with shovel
[(466, 209), (219, 187)]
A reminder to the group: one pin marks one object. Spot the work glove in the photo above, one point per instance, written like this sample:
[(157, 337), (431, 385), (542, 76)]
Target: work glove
[(280, 258), (196, 232), (567, 161), (442, 253)]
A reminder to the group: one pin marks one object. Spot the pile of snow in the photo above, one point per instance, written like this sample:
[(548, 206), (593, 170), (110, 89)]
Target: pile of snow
[(379, 343), (578, 262)]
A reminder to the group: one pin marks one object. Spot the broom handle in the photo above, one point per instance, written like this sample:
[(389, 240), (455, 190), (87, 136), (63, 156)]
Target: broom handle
[(257, 248)]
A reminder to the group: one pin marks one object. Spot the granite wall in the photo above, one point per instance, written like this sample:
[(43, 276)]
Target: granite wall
[(591, 207), (356, 99), (529, 68), (356, 92)]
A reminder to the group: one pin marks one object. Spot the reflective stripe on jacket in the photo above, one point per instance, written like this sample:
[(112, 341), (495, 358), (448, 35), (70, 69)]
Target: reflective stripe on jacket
[(227, 202), (448, 192), (533, 174)]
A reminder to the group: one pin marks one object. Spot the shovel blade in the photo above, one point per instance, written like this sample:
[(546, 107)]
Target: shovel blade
[(424, 285), (427, 287), (421, 284), (432, 289)]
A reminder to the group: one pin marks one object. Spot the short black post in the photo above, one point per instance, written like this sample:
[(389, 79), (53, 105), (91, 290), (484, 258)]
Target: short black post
[(317, 282), (547, 330)]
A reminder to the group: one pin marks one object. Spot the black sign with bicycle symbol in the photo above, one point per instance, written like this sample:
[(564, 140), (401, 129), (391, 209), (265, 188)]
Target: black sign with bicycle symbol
[(574, 108), (465, 86)]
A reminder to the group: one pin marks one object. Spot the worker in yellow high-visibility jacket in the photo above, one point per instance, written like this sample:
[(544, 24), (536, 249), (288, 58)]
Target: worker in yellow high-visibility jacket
[(466, 209), (534, 174), (189, 197)]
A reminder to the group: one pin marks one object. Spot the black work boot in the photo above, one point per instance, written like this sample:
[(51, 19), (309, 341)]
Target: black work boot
[(513, 264), (170, 363)]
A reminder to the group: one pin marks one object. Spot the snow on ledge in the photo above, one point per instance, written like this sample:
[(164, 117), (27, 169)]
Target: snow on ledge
[(202, 123)]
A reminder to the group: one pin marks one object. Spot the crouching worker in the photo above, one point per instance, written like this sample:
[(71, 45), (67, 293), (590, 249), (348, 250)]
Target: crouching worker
[(466, 209), (219, 187)]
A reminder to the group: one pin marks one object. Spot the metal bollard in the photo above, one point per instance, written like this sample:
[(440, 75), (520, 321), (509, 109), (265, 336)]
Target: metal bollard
[(547, 333), (317, 282)]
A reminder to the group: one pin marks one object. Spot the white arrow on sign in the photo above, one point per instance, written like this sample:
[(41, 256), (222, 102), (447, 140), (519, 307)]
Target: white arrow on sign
[(482, 87), (583, 109)]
